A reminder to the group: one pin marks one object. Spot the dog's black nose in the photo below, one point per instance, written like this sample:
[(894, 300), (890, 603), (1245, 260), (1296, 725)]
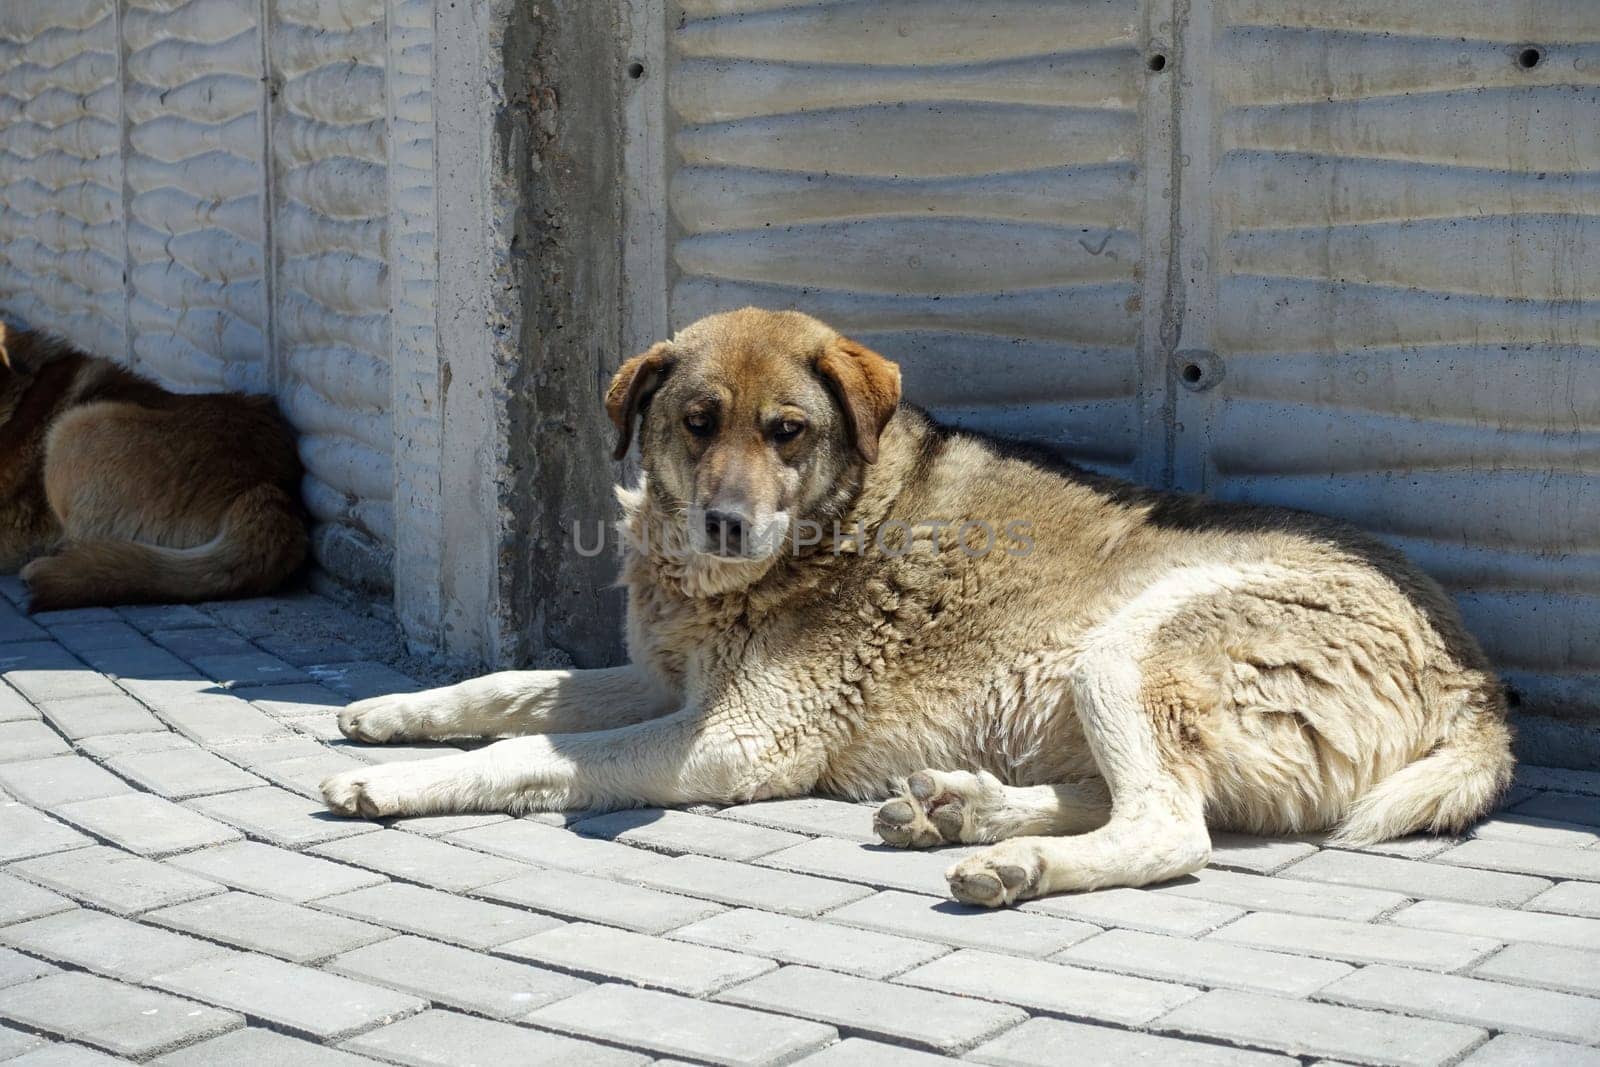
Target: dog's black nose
[(725, 531)]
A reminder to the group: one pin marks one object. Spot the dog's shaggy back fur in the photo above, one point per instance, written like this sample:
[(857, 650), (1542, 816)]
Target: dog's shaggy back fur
[(120, 491)]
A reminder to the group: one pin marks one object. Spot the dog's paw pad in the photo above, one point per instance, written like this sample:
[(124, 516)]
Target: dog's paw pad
[(932, 811), (351, 793), (990, 883)]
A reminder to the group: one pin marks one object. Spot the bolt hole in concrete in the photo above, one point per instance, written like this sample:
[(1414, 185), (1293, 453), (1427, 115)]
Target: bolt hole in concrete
[(1529, 58), (1157, 62), (635, 70), (1191, 372)]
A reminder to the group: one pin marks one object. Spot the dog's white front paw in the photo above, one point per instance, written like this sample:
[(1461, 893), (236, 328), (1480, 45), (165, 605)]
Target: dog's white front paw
[(995, 877), (360, 792), (379, 719)]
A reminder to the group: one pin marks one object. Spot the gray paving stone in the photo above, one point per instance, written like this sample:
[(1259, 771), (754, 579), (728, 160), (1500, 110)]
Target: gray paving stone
[(25, 832), (1356, 942), (113, 880), (274, 872), (20, 901), (308, 651), (1528, 830), (16, 1042), (280, 817), (107, 944), (1505, 925), (790, 939), (90, 716), (1306, 1029), (118, 1018), (360, 679), (1569, 898), (677, 832), (29, 739), (601, 952), (422, 859), (181, 773), (879, 866), (109, 746), (440, 825), (13, 707), (1415, 847), (1052, 1042), (293, 701), (1138, 909), (276, 927), (678, 1026), (257, 752), (137, 662), (44, 671), (163, 616), (859, 1052), (16, 968), (577, 896), (549, 846), (448, 1039), (58, 780), (1050, 987), (811, 816), (1571, 970), (15, 626), (1492, 1005), (1565, 807), (393, 752), (299, 999), (1543, 860), (1203, 962), (1515, 1050), (253, 668), (65, 1055), (1559, 778), (458, 977), (898, 1013), (202, 712), (78, 637), (1255, 855), (441, 916), (192, 641), (1253, 892), (934, 919), (255, 1047), (1433, 881), (148, 825), (743, 885), (49, 619)]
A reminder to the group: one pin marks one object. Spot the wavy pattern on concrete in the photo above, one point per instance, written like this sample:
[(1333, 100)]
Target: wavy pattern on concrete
[(195, 191), (955, 183), (330, 199), (61, 237), (1408, 308)]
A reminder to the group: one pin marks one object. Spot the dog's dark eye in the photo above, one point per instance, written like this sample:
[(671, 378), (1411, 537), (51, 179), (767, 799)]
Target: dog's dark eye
[(699, 424), (788, 430)]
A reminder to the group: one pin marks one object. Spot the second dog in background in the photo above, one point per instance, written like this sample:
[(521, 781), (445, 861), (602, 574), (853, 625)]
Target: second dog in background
[(115, 491)]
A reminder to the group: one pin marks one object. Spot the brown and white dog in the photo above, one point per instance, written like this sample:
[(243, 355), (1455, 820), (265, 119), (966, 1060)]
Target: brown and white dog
[(827, 591), (120, 492)]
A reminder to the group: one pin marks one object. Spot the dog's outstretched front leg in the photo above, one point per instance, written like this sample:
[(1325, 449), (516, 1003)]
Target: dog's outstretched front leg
[(513, 702), (684, 758)]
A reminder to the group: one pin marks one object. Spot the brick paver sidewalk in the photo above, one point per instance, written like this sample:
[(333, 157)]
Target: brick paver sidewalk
[(170, 890)]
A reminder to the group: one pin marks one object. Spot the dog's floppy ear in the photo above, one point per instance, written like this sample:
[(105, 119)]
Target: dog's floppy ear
[(867, 387), (637, 379)]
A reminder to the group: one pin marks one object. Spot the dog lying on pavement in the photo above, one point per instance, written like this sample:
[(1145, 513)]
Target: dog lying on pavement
[(827, 591), (120, 492)]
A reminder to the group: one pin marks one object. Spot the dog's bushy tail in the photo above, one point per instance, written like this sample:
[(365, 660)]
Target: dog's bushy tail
[(1447, 790), (262, 539)]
